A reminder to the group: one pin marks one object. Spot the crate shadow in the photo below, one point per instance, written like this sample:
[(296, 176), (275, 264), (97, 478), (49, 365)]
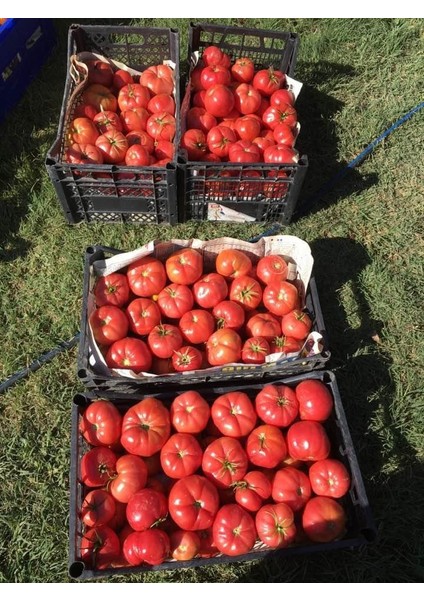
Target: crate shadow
[(368, 395), (318, 139)]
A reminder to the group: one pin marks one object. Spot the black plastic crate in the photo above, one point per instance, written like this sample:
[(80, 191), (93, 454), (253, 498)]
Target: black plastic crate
[(361, 529), (110, 193), (261, 192), (101, 380)]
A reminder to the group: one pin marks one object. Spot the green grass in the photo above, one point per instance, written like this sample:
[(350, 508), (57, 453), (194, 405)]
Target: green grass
[(366, 236)]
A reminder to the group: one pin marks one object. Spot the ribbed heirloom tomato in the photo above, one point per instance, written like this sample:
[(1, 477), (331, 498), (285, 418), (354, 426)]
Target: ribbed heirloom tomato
[(190, 412), (234, 530), (296, 324), (143, 315), (193, 503), (233, 263), (109, 324), (187, 358), (145, 508), (151, 547), (164, 340), (98, 508), (145, 427), (329, 477), (97, 466), (210, 290), (130, 477), (184, 266), (146, 276), (129, 353), (324, 519), (224, 461), (266, 446), (223, 347), (197, 326), (99, 547), (101, 423), (246, 291), (291, 486), (233, 414), (181, 455), (315, 400), (252, 490), (308, 440), (275, 525), (229, 314), (277, 405), (271, 269)]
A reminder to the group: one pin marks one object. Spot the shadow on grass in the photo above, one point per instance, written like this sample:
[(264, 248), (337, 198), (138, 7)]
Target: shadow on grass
[(318, 139), (390, 470)]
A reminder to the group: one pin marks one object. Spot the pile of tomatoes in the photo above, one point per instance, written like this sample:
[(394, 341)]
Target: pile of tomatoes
[(124, 120), (171, 316), (200, 475), (239, 113)]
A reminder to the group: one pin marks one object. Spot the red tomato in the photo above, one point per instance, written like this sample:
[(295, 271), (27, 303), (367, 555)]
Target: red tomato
[(83, 154), (197, 326), (243, 69), (246, 291), (98, 508), (247, 99), (137, 156), (247, 128), (324, 519), (223, 347), (131, 476), (282, 96), (280, 298), (161, 126), (199, 98), (164, 340), (145, 508), (233, 263), (281, 154), (145, 427), (187, 358), (285, 345), (329, 477), (143, 315), (100, 96), (213, 74), (121, 78), (263, 325), (291, 486), (113, 145), (207, 545), (275, 525), (133, 95), (272, 269), (277, 405), (101, 423), (83, 131), (85, 110), (254, 350), (266, 446), (296, 324), (284, 113), (284, 134), (210, 290), (244, 151), (184, 544), (190, 412), (234, 530), (194, 142), (175, 300), (193, 503), (111, 289), (219, 100), (252, 490), (161, 103), (184, 266), (268, 81), (164, 150), (151, 547), (224, 461), (146, 276), (129, 353), (97, 466), (181, 455), (315, 400), (229, 314), (159, 79), (109, 324), (219, 140), (142, 138), (308, 440), (233, 414), (107, 120), (100, 547), (212, 55), (199, 118)]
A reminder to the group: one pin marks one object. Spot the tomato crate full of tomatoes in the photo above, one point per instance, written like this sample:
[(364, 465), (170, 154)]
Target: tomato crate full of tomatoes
[(217, 474), (115, 156), (185, 312), (239, 126)]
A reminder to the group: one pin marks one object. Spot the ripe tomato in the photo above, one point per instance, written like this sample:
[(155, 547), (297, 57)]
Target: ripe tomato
[(83, 154), (233, 414), (264, 325), (193, 503), (219, 100), (184, 544), (247, 128), (98, 508), (142, 138), (111, 289), (277, 405), (210, 290), (284, 134), (161, 126), (197, 326), (164, 150), (234, 530), (129, 353), (113, 145), (233, 263), (252, 490), (272, 269), (101, 423), (159, 79), (181, 455), (100, 96), (151, 547), (308, 440), (223, 347), (85, 110), (284, 113), (246, 291), (281, 154), (121, 78), (83, 131), (244, 151), (291, 486), (133, 95), (190, 412), (247, 99), (145, 427), (296, 324), (285, 345), (280, 298), (137, 156), (164, 340), (207, 545), (219, 140), (145, 508), (199, 118), (224, 461), (229, 314), (106, 120), (109, 324), (315, 400), (254, 350), (213, 74), (175, 300), (268, 81), (275, 525), (184, 266), (100, 547), (161, 103), (146, 276), (130, 477), (329, 477), (194, 142), (187, 358), (266, 446), (143, 315), (97, 466), (243, 69), (282, 96), (324, 519), (212, 55)]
